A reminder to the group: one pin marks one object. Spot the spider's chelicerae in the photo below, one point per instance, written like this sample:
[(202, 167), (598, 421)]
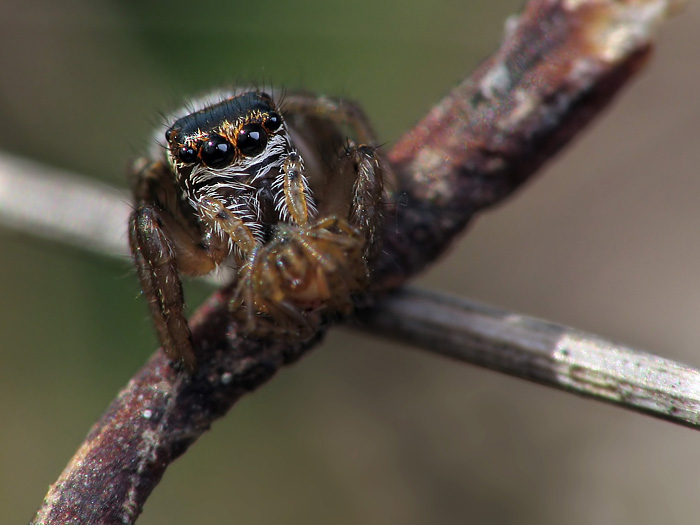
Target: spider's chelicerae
[(291, 197)]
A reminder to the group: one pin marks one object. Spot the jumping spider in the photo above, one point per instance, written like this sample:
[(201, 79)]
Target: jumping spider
[(281, 194)]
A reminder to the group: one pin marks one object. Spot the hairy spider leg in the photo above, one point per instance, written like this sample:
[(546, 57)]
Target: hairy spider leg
[(295, 189), (160, 258), (366, 212), (160, 282)]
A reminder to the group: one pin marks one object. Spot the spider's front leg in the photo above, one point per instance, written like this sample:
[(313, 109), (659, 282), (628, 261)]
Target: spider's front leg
[(336, 247), (164, 244), (295, 189), (343, 236), (368, 194), (359, 162)]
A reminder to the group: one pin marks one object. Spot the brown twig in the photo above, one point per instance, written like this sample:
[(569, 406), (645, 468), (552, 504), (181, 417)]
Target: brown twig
[(559, 65)]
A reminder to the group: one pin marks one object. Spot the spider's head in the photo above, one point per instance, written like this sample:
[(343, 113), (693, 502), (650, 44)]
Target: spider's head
[(240, 139)]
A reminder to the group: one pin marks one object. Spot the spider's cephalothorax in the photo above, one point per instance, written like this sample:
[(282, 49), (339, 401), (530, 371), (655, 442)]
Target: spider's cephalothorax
[(291, 202)]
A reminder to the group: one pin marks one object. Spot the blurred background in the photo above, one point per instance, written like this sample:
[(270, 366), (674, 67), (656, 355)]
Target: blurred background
[(360, 431)]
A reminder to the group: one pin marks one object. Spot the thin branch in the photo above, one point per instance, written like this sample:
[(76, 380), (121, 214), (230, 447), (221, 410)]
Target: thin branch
[(539, 351), (69, 205), (559, 65)]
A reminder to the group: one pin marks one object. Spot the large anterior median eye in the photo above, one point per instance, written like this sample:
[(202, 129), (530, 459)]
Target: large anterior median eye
[(217, 152), (251, 139)]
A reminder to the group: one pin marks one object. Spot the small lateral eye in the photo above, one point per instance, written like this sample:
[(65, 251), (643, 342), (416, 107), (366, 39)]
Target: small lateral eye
[(251, 139), (217, 152), (169, 134), (186, 154), (273, 121)]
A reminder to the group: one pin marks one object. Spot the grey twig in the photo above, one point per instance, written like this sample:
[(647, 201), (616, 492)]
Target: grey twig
[(559, 65), (540, 351), (69, 205)]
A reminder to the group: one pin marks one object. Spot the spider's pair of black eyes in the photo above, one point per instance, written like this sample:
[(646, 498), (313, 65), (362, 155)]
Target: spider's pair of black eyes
[(217, 152)]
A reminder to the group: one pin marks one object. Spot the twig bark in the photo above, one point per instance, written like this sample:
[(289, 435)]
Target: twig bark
[(559, 65)]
